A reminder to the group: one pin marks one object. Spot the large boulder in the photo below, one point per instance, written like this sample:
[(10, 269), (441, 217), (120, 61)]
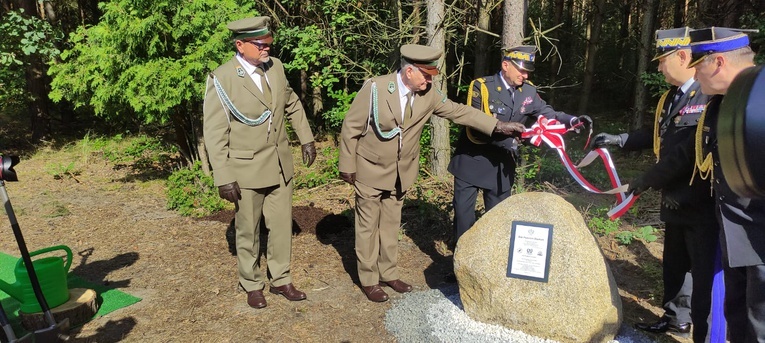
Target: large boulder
[(578, 303)]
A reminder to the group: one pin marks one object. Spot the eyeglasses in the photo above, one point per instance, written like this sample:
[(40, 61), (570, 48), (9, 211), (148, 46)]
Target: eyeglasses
[(257, 44)]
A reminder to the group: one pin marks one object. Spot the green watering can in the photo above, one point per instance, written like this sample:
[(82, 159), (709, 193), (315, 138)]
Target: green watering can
[(51, 271)]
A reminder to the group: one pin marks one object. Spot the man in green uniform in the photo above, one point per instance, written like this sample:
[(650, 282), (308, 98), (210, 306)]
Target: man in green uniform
[(246, 103), (380, 152)]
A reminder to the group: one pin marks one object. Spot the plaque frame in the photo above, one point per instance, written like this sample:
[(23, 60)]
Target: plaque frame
[(513, 235)]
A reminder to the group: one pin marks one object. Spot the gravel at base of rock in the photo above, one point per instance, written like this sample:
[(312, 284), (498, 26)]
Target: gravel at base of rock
[(437, 316)]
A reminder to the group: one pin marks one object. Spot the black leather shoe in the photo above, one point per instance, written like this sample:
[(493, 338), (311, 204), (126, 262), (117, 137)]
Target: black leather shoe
[(664, 325)]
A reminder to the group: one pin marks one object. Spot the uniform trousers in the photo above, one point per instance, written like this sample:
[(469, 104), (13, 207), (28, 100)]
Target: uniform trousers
[(465, 195), (691, 247), (274, 204), (745, 303), (378, 220)]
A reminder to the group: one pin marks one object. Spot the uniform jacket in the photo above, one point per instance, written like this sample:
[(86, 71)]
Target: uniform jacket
[(376, 160), (672, 173), (491, 165), (743, 219), (251, 155)]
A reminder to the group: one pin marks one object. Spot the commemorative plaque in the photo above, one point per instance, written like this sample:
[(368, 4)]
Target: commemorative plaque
[(530, 245)]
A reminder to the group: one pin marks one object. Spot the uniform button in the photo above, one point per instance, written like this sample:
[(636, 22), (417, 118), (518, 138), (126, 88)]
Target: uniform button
[(722, 198), (718, 181)]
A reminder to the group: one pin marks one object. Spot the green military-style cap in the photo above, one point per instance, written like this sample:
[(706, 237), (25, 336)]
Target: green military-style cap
[(423, 57), (252, 29), (669, 41), (521, 56)]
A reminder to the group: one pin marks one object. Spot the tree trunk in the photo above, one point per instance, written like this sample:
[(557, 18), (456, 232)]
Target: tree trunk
[(624, 31), (50, 13), (594, 28), (36, 84), (555, 61), (482, 39), (439, 134), (679, 13), (188, 133), (7, 6), (515, 12), (417, 19), (646, 40), (732, 10)]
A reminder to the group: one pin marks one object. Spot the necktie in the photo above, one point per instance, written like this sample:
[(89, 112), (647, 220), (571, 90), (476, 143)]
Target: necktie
[(265, 88), (676, 99), (408, 106)]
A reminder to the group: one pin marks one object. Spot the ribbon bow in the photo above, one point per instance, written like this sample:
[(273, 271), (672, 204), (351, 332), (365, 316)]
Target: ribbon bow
[(550, 131)]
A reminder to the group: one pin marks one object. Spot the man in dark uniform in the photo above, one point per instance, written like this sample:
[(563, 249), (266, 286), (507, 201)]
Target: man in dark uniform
[(488, 162), (246, 103), (719, 55), (691, 227)]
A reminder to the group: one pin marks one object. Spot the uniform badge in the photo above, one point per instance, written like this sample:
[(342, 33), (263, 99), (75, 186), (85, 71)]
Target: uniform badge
[(499, 89), (677, 119), (239, 71), (391, 87), (693, 93), (491, 107)]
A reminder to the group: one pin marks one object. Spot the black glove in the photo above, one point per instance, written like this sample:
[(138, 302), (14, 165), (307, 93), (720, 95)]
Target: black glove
[(638, 186), (671, 203), (348, 177), (603, 139), (509, 127), (309, 153), (230, 192)]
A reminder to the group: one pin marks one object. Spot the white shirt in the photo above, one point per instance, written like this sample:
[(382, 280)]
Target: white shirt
[(403, 91), (250, 69), (687, 85)]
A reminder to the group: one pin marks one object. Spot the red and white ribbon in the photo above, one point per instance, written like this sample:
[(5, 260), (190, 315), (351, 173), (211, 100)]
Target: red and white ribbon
[(550, 131)]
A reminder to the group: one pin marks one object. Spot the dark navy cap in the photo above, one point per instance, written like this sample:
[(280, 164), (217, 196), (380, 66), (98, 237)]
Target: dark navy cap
[(669, 41), (715, 39), (521, 56)]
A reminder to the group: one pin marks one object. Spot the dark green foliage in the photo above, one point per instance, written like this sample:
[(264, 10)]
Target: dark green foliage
[(757, 40), (146, 58), (22, 36), (655, 84), (320, 173), (192, 193)]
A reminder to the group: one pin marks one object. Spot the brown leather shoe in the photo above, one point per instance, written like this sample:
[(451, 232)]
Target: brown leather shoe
[(399, 286), (375, 293), (288, 291), (256, 299)]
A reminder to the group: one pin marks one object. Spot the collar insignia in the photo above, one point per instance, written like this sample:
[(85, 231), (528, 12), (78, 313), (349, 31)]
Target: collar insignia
[(239, 71), (391, 87)]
